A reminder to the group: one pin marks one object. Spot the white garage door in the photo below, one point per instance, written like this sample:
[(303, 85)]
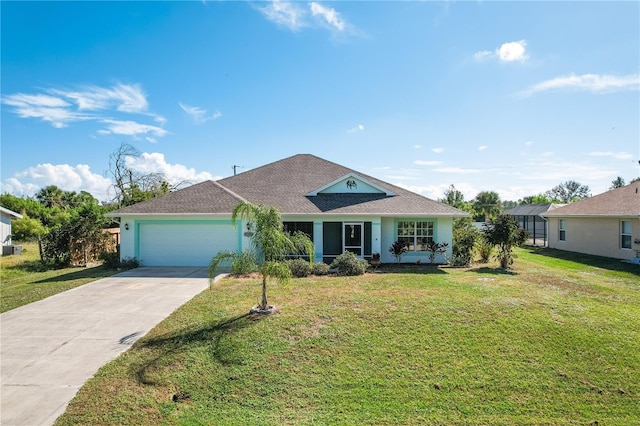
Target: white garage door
[(185, 244)]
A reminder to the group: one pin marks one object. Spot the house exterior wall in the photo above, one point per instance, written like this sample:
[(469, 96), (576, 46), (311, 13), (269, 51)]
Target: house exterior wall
[(130, 238), (318, 230), (443, 232), (383, 233), (598, 236), (5, 229)]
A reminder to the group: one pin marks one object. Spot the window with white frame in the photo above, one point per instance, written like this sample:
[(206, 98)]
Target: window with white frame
[(562, 227), (625, 234), (415, 234)]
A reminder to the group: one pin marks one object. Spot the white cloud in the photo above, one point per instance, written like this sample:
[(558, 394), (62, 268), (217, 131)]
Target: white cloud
[(616, 155), (427, 163), (174, 173), (458, 170), (557, 171), (438, 150), (358, 128), (401, 177), (66, 177), (293, 16), (590, 82), (61, 107), (45, 101), (329, 15), (482, 147), (199, 115), (15, 187), (131, 128), (81, 178), (513, 51), (54, 110), (528, 143), (122, 97), (417, 146), (436, 192), (285, 14), (482, 55)]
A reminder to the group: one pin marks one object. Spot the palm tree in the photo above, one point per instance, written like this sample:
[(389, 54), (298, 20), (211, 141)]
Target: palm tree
[(51, 196), (488, 204), (270, 242)]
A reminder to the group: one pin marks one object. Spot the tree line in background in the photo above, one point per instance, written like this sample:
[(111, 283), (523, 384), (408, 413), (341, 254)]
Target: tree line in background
[(69, 226), (487, 204)]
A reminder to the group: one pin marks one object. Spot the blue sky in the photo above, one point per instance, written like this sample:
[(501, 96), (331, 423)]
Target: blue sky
[(512, 97)]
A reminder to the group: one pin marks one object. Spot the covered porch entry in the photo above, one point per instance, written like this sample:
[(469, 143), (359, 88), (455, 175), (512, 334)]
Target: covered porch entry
[(353, 236)]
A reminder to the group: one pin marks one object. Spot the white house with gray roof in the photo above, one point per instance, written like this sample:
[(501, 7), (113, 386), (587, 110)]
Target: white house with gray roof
[(339, 208)]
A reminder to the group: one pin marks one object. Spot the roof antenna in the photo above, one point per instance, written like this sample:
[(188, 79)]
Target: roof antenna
[(234, 167)]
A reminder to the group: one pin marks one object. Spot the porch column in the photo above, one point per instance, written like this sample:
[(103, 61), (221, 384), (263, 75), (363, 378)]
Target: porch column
[(376, 236), (317, 241)]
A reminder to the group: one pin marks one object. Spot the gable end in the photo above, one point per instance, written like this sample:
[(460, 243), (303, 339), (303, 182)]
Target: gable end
[(351, 183)]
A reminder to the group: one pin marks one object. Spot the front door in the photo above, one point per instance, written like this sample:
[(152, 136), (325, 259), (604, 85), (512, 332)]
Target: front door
[(353, 238)]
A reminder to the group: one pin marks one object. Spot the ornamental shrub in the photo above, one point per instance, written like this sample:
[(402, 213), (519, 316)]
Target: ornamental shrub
[(465, 236), (110, 259), (299, 268), (398, 249), (348, 264), (320, 268)]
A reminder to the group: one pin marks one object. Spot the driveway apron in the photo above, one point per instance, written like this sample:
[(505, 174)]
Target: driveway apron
[(51, 347)]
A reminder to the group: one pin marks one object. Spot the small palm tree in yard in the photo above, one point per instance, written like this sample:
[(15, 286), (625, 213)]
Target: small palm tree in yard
[(271, 245), (505, 234)]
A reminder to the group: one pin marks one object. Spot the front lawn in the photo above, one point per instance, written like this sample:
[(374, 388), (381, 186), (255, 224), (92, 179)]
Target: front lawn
[(556, 341), (23, 279)]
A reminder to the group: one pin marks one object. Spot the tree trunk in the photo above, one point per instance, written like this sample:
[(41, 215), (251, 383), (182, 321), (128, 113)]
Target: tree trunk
[(264, 293), (40, 249)]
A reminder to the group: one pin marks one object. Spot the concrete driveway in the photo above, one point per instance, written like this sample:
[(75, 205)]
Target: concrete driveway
[(51, 347)]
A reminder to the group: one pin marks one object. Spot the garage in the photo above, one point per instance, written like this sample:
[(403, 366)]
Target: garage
[(191, 243)]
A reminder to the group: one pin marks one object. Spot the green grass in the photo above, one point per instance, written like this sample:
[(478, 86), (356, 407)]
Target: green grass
[(23, 279), (556, 341)]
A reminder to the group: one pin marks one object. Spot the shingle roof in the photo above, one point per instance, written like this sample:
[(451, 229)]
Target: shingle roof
[(284, 185), (206, 197), (532, 209), (623, 201)]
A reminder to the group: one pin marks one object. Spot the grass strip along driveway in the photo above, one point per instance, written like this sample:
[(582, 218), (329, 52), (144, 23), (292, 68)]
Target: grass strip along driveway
[(556, 341), (23, 279)]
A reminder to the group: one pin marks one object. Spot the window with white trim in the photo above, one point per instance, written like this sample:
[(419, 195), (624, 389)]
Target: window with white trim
[(562, 228), (625, 234), (415, 234)]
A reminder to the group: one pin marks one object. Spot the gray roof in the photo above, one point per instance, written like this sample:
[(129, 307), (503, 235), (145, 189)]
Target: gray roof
[(620, 202), (531, 209), (207, 197), (284, 185)]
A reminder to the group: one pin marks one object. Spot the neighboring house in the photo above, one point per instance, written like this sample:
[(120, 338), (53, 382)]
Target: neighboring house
[(339, 208), (6, 217), (529, 219), (607, 224)]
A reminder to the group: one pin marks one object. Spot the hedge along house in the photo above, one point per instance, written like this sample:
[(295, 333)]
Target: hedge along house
[(339, 208), (606, 225)]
